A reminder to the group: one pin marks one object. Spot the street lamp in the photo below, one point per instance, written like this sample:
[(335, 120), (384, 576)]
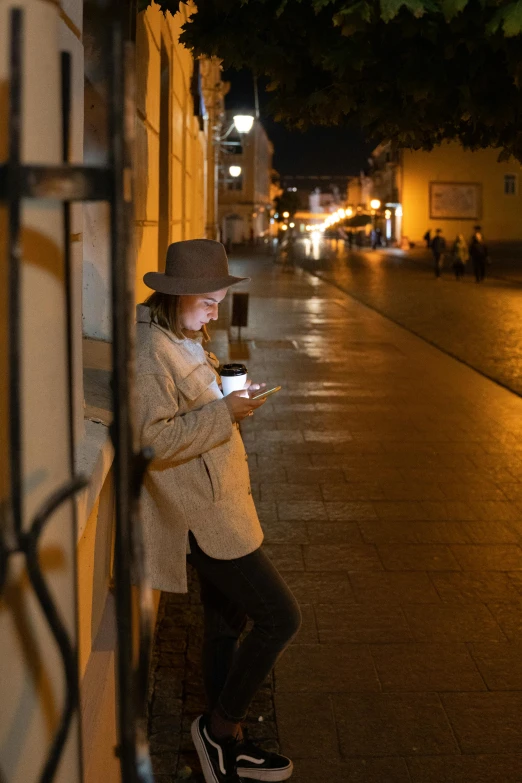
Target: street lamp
[(243, 122), (286, 214), (375, 203), (234, 171)]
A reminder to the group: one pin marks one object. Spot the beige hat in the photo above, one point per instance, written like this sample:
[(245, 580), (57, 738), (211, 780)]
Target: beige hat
[(195, 266)]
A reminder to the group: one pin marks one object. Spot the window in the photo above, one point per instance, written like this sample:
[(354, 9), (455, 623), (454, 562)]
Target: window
[(510, 184)]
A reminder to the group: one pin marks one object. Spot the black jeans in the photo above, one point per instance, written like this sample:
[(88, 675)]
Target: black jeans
[(233, 591)]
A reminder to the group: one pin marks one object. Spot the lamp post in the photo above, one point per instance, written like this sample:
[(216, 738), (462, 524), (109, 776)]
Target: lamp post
[(228, 142)]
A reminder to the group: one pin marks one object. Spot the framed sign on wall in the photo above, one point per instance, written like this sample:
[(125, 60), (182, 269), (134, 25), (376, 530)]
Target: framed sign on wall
[(455, 200)]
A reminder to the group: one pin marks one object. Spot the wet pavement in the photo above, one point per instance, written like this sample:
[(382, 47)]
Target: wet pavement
[(388, 479), (480, 325)]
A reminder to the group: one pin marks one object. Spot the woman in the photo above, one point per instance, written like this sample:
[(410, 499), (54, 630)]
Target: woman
[(197, 504), (460, 256)]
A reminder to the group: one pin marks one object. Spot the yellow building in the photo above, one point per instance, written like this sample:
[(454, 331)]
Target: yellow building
[(179, 107), (448, 188)]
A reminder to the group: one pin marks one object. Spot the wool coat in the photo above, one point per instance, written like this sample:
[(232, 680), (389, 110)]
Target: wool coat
[(198, 479)]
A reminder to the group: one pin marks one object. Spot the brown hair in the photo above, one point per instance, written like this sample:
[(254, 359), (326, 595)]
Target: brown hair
[(165, 310)]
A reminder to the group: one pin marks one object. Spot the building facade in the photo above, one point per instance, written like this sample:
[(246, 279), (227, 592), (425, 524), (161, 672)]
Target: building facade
[(179, 108), (449, 187), (244, 200)]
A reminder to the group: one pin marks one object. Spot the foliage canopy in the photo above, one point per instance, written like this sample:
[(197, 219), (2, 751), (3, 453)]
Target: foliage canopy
[(413, 71)]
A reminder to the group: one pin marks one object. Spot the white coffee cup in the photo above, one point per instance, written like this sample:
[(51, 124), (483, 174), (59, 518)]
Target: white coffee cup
[(233, 377)]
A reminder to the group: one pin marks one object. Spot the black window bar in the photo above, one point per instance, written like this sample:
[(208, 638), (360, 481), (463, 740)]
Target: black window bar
[(68, 183)]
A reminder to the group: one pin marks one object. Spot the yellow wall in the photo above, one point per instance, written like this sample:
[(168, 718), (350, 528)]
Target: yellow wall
[(501, 217), (187, 145)]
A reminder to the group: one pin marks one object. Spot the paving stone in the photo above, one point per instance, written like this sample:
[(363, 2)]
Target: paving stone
[(417, 557), (341, 557), (508, 615), (336, 668), (488, 557), (486, 722), (367, 770), (348, 511), (481, 532), (499, 664), (426, 667), (414, 532), (287, 491), (308, 632), (285, 557), (473, 586), (306, 725), (352, 491), (392, 724), (330, 475), (285, 532), (497, 768), (319, 587), (395, 587), (453, 623), (366, 623), (333, 533), (303, 511)]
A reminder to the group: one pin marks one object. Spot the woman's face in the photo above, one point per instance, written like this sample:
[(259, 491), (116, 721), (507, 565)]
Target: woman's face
[(197, 310)]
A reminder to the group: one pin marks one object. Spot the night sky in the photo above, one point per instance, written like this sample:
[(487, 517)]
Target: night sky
[(317, 151)]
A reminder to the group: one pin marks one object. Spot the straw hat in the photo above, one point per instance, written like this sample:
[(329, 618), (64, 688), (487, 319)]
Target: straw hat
[(195, 266)]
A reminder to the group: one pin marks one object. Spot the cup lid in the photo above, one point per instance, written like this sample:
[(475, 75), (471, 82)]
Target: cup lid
[(229, 370)]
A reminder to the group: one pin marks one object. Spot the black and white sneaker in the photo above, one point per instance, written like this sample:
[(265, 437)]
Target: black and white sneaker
[(257, 764), (218, 759)]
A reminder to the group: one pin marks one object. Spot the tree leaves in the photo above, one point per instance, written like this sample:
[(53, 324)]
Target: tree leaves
[(509, 19)]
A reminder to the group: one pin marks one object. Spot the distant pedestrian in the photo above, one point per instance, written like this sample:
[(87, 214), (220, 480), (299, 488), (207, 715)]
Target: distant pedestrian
[(373, 239), (379, 237), (460, 256), (427, 238), (350, 239), (438, 248), (478, 253)]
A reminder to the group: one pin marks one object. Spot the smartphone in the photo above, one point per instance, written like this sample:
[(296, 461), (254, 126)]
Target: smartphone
[(266, 393)]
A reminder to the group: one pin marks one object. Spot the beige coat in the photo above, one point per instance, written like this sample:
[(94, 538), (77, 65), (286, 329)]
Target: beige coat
[(199, 477)]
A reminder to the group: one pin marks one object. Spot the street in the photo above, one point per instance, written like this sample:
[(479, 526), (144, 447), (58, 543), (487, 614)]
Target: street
[(480, 325), (388, 480)]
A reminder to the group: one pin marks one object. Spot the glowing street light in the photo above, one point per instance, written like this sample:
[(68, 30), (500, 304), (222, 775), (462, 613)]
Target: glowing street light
[(387, 214), (375, 203), (243, 122), (286, 214), (292, 225), (234, 171), (349, 212), (284, 227), (341, 213)]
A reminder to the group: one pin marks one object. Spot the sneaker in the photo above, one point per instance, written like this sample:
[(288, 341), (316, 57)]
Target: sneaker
[(257, 764), (218, 759)]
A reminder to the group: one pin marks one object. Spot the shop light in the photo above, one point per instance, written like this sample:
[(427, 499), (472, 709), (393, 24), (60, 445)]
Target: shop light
[(292, 225), (234, 171), (375, 203), (349, 212), (284, 227), (286, 214)]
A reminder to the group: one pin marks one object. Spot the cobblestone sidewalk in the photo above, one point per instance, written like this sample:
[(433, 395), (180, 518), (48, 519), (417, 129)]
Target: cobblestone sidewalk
[(388, 479)]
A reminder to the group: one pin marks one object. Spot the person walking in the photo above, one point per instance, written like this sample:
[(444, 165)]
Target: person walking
[(478, 253), (197, 506), (460, 256), (438, 248)]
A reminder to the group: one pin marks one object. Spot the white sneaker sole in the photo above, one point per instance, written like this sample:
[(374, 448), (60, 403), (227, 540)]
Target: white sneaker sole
[(199, 744), (272, 775)]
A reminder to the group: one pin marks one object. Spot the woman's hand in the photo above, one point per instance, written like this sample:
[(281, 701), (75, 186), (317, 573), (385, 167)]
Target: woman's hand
[(241, 406)]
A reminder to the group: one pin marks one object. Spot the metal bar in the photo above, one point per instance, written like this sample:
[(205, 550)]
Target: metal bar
[(60, 183), (45, 599), (121, 424), (66, 94), (15, 258)]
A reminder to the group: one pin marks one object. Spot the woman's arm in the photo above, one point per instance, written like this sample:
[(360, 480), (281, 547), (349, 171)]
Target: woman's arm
[(175, 436)]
